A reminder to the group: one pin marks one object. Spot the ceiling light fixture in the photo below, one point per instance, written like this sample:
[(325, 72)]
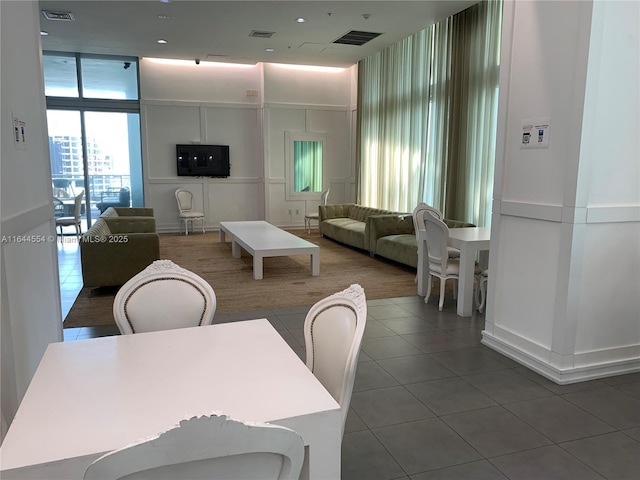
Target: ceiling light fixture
[(162, 16), (268, 49), (162, 41), (300, 20), (43, 33)]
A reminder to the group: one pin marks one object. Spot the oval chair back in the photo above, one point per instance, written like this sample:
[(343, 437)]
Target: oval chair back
[(163, 296), (333, 330)]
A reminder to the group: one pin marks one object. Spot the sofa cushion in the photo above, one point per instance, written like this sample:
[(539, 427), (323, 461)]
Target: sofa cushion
[(345, 230), (99, 228), (401, 248), (360, 213)]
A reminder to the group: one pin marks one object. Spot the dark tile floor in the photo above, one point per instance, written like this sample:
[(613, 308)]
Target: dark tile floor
[(430, 402)]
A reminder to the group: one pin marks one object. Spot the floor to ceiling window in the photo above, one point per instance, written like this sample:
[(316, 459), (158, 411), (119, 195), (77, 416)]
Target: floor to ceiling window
[(427, 116), (93, 115)]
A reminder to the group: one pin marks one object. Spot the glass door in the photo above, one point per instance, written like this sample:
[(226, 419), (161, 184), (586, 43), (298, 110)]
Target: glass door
[(67, 162), (114, 160)]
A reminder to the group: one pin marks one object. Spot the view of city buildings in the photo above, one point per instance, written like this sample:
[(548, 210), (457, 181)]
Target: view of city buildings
[(67, 168)]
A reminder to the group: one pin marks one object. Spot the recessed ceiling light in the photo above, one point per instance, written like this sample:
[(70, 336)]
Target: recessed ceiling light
[(300, 20), (162, 16), (162, 41), (268, 49), (43, 33), (165, 1)]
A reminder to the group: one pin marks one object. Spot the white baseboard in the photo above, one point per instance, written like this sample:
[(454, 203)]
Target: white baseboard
[(563, 376)]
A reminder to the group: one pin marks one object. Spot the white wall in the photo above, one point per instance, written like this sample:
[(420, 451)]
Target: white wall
[(248, 108), (565, 263), (30, 301)]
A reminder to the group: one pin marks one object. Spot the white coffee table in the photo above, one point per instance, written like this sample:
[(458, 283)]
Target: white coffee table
[(261, 239)]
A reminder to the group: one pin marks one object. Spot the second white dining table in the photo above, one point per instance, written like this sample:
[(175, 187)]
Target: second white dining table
[(470, 241), (93, 396)]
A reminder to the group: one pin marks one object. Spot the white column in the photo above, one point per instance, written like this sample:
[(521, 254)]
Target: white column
[(563, 293)]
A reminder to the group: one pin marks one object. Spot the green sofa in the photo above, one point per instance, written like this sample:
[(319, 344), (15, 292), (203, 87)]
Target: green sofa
[(394, 237), (380, 232), (121, 243), (347, 223)]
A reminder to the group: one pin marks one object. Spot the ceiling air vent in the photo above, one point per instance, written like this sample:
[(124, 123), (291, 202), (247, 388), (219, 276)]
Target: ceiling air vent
[(261, 34), (63, 16), (355, 37)]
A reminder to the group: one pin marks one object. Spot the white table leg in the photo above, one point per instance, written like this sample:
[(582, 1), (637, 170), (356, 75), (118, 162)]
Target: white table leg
[(235, 249), (465, 283), (221, 236), (315, 264), (322, 461), (257, 266)]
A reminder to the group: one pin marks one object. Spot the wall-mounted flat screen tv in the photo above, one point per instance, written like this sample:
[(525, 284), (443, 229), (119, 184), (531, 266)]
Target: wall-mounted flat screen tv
[(203, 160)]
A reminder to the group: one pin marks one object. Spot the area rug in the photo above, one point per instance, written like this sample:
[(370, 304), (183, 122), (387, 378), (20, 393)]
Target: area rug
[(287, 280)]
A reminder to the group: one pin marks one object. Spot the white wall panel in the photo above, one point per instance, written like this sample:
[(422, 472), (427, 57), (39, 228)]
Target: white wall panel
[(611, 125), (337, 152), (526, 278), (238, 128), (284, 84), (542, 78), (235, 201), (207, 82), (166, 126), (278, 121), (609, 300), (30, 299)]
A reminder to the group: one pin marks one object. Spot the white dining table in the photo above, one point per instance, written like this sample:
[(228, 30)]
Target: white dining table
[(93, 396), (470, 241)]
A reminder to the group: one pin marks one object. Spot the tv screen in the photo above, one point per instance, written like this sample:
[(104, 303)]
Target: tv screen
[(203, 160)]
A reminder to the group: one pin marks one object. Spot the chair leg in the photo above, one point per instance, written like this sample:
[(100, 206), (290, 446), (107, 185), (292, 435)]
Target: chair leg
[(443, 283), (203, 225), (455, 289), (429, 286), (483, 294)]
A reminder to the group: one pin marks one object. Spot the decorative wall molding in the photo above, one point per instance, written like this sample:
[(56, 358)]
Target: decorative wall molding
[(612, 362), (24, 222), (189, 103), (568, 214), (308, 106), (200, 180)]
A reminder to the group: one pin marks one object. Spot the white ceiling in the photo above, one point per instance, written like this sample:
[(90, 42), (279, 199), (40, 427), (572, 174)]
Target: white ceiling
[(220, 31)]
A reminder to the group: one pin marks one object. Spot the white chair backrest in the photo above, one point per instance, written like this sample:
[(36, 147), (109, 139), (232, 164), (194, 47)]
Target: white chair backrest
[(208, 447), (333, 332), (185, 200), (324, 197), (77, 212), (418, 216), (162, 297), (437, 238)]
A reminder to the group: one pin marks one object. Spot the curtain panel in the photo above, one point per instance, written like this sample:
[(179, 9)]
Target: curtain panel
[(427, 112)]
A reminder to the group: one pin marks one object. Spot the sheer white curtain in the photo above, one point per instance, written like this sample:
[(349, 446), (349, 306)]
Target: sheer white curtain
[(427, 117), (476, 43), (393, 107)]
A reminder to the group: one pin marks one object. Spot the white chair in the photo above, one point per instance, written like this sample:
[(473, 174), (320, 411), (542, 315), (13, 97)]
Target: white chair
[(333, 331), (420, 230), (74, 221), (315, 215), (187, 213), (481, 291), (163, 296), (437, 260), (207, 447)]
